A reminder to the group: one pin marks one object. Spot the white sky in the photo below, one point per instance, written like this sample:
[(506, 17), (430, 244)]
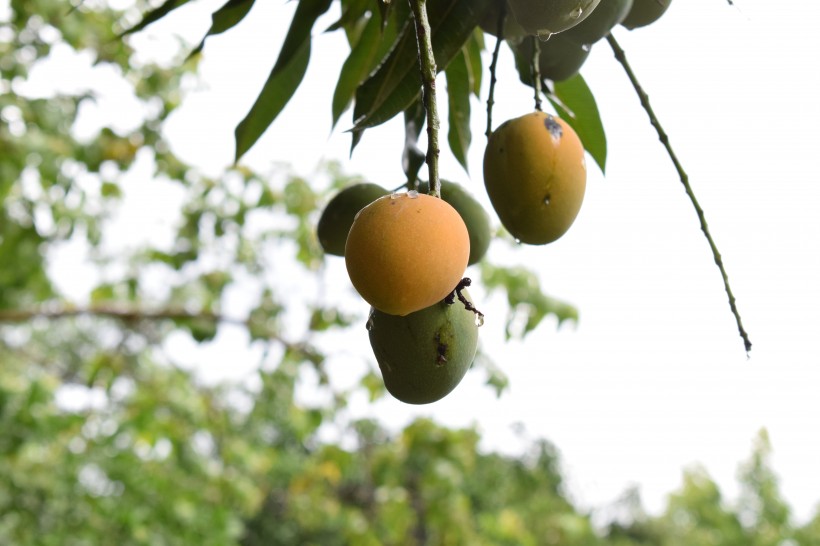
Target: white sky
[(654, 377)]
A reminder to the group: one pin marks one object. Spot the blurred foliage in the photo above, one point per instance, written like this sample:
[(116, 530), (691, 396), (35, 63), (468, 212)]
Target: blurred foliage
[(108, 437)]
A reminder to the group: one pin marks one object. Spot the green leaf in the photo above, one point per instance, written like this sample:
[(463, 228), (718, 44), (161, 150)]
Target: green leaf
[(285, 77), (397, 82), (574, 102), (356, 67), (458, 93), (528, 304), (472, 51), (352, 11), (412, 157), (225, 18), (154, 15)]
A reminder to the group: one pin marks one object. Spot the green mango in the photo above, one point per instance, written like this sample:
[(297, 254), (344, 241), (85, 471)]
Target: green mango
[(600, 22), (336, 219), (559, 58), (475, 217), (489, 23), (543, 18), (423, 356), (645, 12)]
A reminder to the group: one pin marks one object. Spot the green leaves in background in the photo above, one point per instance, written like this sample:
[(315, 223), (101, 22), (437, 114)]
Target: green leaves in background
[(396, 83), (155, 15), (458, 98), (373, 44), (285, 77), (225, 18), (574, 102), (528, 304)]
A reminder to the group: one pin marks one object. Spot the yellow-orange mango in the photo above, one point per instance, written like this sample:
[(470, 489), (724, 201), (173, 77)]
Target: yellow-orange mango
[(406, 251), (535, 175)]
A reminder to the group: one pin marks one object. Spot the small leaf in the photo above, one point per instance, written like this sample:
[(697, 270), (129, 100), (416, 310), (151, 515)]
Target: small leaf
[(285, 77), (352, 11), (225, 18), (458, 93), (472, 51), (574, 102), (154, 15), (397, 82), (413, 158), (356, 67)]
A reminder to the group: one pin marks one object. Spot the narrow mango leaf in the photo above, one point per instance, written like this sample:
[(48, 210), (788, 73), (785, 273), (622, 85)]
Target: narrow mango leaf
[(413, 158), (285, 77), (574, 102), (372, 46), (276, 93), (458, 94), (225, 18), (384, 11), (397, 81), (473, 49), (352, 11), (155, 15)]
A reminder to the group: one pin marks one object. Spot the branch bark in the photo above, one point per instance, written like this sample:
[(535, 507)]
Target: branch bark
[(427, 66), (620, 55)]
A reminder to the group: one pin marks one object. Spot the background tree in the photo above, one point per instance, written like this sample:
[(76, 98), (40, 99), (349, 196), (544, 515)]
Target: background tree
[(105, 436)]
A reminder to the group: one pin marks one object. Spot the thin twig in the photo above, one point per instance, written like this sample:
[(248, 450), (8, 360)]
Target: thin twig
[(536, 71), (502, 16), (684, 178), (427, 66)]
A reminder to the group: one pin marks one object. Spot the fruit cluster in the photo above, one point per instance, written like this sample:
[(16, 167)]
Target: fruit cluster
[(406, 253)]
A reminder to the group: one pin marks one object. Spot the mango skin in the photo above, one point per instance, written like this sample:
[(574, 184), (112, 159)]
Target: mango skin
[(559, 59), (337, 217), (423, 356), (645, 12), (489, 22), (545, 17), (406, 253), (475, 217), (535, 175), (600, 22)]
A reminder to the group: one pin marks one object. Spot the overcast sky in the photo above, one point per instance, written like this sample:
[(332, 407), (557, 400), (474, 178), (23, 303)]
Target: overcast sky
[(654, 377)]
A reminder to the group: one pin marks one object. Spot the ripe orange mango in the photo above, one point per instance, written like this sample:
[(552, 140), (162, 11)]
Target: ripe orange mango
[(406, 251)]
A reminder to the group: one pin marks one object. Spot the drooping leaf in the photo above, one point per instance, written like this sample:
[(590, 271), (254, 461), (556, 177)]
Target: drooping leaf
[(397, 82), (154, 15), (458, 95), (372, 45), (285, 77), (225, 18), (472, 51), (352, 11), (413, 158), (574, 102)]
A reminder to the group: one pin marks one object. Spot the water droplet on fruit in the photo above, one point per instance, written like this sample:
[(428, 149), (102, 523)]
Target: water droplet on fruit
[(413, 194), (479, 320), (395, 195), (577, 12), (547, 199), (544, 34), (586, 47), (517, 241)]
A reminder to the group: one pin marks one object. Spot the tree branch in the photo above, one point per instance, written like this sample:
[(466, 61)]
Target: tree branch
[(535, 66), (502, 16), (134, 315), (427, 66), (684, 178)]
